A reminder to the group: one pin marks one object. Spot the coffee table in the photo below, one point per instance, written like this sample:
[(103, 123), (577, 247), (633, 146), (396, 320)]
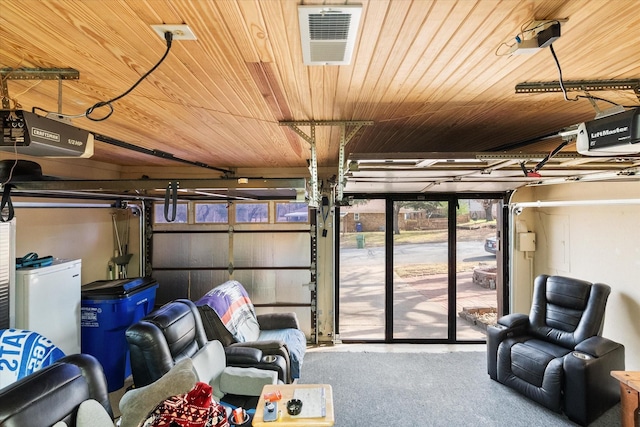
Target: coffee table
[(629, 396), (288, 391)]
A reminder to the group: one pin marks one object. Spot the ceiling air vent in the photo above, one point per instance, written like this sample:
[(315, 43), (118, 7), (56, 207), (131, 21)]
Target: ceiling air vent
[(328, 33)]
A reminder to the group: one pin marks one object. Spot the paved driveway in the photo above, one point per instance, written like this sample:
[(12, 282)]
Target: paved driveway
[(420, 303)]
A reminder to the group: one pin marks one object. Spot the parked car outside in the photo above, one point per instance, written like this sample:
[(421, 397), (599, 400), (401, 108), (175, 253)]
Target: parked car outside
[(491, 244)]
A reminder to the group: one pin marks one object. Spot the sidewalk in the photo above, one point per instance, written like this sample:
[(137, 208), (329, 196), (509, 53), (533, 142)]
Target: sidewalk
[(420, 305)]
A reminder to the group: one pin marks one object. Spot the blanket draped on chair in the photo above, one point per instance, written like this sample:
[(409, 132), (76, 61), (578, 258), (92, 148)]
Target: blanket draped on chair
[(234, 308), (232, 305)]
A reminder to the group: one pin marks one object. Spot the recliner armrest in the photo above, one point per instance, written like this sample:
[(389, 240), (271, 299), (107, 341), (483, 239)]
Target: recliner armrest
[(245, 381), (237, 355), (270, 347), (278, 321), (507, 326), (597, 346), (589, 388), (515, 320), (267, 346)]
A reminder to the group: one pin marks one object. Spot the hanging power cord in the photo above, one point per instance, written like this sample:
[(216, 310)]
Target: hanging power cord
[(168, 36), (15, 163), (6, 205), (564, 89), (533, 173)]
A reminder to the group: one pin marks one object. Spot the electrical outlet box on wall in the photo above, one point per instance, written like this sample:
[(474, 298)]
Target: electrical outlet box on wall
[(526, 242)]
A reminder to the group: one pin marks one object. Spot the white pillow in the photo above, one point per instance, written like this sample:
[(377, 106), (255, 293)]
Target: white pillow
[(136, 404), (92, 414), (209, 361), (246, 381), (208, 364), (60, 424)]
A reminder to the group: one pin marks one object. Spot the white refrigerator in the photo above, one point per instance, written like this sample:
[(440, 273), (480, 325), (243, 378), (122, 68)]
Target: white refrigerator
[(48, 302)]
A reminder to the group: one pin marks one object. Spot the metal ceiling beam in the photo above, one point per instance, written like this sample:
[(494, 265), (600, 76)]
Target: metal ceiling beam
[(160, 184), (580, 85), (328, 123), (39, 74), (84, 195), (342, 163), (34, 74), (483, 163), (446, 155), (311, 139), (486, 168), (498, 164)]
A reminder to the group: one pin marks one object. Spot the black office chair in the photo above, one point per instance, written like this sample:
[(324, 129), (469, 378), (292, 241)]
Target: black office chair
[(556, 355)]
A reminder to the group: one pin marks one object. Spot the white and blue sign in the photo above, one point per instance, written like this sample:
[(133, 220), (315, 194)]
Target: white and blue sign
[(24, 352)]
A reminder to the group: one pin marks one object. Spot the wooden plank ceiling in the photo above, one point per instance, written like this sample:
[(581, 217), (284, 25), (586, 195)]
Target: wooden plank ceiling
[(431, 75)]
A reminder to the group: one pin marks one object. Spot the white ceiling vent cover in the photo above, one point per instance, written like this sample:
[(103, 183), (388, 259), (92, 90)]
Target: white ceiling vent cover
[(328, 33)]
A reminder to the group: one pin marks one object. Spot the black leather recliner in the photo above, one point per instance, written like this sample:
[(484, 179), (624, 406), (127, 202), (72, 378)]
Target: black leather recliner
[(54, 393), (174, 332), (556, 355)]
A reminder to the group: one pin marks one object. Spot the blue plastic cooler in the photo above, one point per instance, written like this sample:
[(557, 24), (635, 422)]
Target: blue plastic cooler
[(108, 308)]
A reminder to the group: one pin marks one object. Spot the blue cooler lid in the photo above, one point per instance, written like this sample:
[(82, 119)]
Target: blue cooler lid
[(117, 288)]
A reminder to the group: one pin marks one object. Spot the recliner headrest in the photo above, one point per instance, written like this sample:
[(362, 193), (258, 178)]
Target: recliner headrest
[(178, 325), (568, 292)]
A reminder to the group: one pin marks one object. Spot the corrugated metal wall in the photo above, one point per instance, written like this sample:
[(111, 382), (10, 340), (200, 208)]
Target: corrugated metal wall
[(272, 261)]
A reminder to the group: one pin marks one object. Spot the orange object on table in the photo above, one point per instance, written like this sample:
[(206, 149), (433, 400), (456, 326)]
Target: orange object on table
[(273, 396), (238, 415)]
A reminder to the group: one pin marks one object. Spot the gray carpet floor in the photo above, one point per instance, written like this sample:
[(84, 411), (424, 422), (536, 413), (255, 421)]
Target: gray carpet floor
[(425, 389)]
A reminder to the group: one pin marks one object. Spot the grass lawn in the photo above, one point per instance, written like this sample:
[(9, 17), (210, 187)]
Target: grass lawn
[(419, 270), (475, 230)]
